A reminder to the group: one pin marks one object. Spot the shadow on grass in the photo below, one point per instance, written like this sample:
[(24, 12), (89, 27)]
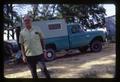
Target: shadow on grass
[(94, 72)]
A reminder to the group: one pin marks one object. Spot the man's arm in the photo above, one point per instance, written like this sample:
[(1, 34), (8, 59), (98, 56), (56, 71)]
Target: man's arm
[(23, 51), (22, 48), (42, 41)]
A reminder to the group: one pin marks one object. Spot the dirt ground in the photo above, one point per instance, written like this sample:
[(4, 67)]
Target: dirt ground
[(74, 65)]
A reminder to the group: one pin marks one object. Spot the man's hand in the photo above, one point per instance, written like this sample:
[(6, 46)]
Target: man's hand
[(23, 54), (24, 59)]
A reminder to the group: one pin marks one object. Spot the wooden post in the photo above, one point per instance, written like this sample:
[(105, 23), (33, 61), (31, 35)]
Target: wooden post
[(18, 29), (8, 33), (13, 34), (11, 9), (8, 23)]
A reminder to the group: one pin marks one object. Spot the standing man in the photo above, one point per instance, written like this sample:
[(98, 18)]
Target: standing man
[(32, 47)]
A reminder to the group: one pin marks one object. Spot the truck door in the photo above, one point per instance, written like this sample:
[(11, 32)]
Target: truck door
[(77, 36)]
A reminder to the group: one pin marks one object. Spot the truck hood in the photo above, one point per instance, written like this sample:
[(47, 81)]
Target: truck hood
[(97, 29)]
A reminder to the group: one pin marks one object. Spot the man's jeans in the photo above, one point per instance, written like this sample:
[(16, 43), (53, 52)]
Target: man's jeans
[(32, 62)]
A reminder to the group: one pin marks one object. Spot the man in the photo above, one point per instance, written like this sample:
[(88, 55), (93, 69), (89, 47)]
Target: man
[(32, 47)]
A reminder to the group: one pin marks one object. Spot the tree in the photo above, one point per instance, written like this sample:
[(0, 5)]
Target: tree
[(42, 11), (34, 11), (82, 12), (72, 13), (11, 17)]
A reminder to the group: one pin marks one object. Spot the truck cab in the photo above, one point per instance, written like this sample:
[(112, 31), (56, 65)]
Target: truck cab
[(77, 36), (80, 37)]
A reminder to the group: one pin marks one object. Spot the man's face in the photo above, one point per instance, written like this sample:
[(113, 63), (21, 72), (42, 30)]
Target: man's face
[(27, 22)]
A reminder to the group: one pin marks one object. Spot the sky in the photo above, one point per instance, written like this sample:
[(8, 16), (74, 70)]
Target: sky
[(23, 10), (110, 9)]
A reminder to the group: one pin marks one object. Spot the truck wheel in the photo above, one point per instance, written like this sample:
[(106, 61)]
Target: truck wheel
[(96, 46), (83, 49), (49, 55)]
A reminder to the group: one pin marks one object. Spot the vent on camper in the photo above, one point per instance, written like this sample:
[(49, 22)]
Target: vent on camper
[(54, 26)]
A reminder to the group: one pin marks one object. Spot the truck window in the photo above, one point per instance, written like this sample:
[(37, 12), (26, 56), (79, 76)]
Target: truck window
[(54, 26), (75, 29)]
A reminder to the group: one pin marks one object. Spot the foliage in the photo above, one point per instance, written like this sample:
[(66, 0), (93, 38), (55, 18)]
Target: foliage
[(83, 13), (10, 16), (86, 14)]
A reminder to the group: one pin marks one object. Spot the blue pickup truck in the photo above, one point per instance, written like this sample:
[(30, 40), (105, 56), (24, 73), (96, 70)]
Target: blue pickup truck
[(61, 36)]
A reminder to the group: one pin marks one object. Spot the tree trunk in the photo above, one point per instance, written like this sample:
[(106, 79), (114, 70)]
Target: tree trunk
[(11, 9), (8, 22), (8, 33)]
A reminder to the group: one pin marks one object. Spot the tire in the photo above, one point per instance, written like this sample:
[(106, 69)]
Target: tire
[(96, 46), (49, 55), (83, 49)]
